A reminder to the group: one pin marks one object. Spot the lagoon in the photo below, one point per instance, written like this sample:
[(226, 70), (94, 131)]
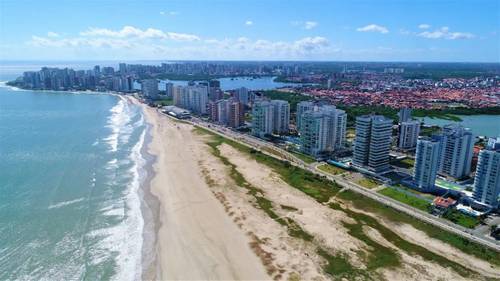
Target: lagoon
[(481, 125)]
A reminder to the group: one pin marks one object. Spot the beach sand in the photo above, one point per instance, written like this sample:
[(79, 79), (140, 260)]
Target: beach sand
[(196, 240), (211, 227)]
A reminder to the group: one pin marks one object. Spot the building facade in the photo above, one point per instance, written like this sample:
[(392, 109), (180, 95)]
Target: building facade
[(408, 134), (427, 159), (457, 153), (149, 88), (322, 130), (487, 180), (373, 142)]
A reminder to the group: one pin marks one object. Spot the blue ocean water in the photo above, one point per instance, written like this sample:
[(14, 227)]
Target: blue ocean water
[(70, 170)]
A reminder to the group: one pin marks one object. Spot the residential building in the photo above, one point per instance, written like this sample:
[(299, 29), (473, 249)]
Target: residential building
[(242, 95), (149, 88), (404, 114), (169, 90), (262, 118), (194, 98), (372, 142), (457, 153), (302, 107), (487, 180), (408, 134), (281, 116), (427, 159), (322, 130)]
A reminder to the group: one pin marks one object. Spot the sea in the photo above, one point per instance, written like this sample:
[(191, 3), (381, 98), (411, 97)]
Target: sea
[(71, 167)]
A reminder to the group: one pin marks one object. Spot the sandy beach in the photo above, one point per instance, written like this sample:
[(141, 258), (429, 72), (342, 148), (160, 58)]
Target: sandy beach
[(211, 227), (196, 238)]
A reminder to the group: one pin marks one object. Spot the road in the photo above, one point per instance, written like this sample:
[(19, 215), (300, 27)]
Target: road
[(282, 154)]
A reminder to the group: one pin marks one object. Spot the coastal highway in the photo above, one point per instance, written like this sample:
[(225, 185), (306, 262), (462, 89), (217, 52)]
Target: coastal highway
[(274, 151)]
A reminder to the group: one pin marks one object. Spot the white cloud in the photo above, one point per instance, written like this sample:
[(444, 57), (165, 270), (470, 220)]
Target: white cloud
[(444, 33), (305, 24), (373, 28), (182, 36), (171, 13), (248, 22), (310, 24), (52, 34), (424, 26), (133, 42), (133, 32)]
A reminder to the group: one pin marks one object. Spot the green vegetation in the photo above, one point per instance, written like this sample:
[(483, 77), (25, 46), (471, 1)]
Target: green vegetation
[(322, 190), (461, 219), (391, 236), (355, 111), (368, 183), (429, 131), (366, 204), (406, 163), (288, 208), (306, 158), (164, 102), (292, 97), (340, 267), (401, 196), (263, 203), (334, 170), (446, 113)]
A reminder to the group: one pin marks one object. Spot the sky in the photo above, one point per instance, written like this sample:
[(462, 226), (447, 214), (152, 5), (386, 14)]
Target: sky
[(330, 30)]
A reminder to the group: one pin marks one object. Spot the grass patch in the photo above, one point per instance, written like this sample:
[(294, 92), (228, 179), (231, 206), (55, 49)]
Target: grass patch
[(322, 190), (366, 204), (306, 158), (288, 208), (368, 183), (461, 219), (334, 170), (410, 248), (406, 198), (406, 163), (340, 267), (263, 203)]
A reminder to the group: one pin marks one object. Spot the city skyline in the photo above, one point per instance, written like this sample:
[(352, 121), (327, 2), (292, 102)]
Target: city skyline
[(462, 31)]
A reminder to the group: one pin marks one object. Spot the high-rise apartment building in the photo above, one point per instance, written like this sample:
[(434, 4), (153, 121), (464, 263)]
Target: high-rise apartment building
[(408, 134), (149, 88), (322, 130), (487, 180), (302, 107), (372, 142), (270, 117), (404, 114), (457, 153), (194, 98), (427, 159)]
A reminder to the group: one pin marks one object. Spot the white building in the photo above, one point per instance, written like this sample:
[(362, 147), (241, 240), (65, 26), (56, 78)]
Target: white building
[(194, 98), (408, 134), (302, 107), (457, 153), (270, 117), (487, 179), (322, 130), (373, 142), (427, 160), (149, 88)]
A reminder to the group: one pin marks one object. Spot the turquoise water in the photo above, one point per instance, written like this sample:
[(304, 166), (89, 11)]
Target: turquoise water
[(70, 168), (481, 125), (226, 84)]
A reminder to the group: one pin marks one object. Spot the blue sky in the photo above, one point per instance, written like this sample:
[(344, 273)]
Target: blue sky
[(367, 30)]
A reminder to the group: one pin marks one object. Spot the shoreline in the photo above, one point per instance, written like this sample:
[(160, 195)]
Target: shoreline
[(196, 239)]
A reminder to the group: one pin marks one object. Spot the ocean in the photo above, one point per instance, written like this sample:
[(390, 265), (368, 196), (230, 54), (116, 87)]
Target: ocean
[(71, 166)]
